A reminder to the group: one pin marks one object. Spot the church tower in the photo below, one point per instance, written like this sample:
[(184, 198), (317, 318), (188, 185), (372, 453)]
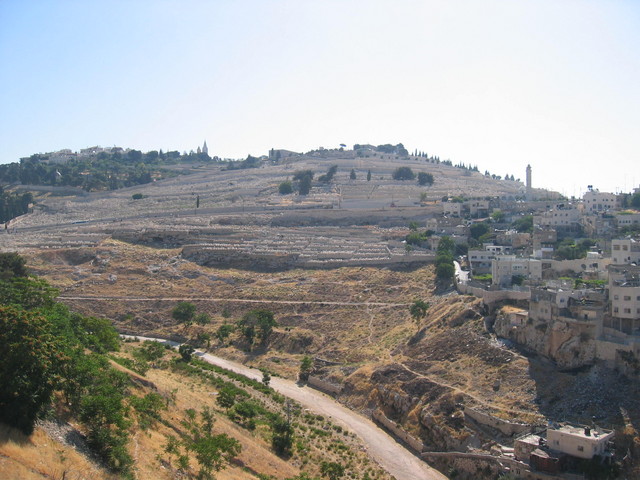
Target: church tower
[(528, 184), (205, 149)]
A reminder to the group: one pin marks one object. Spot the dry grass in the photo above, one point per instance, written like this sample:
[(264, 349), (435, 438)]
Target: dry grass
[(41, 457)]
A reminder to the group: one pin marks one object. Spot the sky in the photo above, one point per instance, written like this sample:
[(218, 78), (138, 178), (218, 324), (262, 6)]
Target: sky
[(494, 83)]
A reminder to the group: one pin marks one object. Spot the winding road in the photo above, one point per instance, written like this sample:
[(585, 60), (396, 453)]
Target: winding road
[(383, 448)]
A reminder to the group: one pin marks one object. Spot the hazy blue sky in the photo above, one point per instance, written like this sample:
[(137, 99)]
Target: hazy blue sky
[(497, 83)]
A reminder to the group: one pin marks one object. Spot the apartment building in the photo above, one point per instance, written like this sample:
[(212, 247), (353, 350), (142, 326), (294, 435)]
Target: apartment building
[(625, 251)]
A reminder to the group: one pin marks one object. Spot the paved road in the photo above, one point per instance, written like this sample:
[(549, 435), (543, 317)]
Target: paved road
[(391, 456)]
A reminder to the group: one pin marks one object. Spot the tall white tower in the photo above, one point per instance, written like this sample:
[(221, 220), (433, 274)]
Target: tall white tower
[(205, 149), (528, 184)]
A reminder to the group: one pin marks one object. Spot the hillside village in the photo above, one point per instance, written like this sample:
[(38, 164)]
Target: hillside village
[(536, 275)]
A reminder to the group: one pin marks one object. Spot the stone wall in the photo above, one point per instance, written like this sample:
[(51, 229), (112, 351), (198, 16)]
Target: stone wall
[(490, 297), (507, 428), (323, 385), (398, 432)]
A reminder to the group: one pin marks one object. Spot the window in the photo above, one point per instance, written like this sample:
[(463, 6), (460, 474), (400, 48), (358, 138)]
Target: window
[(615, 309), (627, 298), (627, 310), (615, 297), (616, 247), (580, 448)]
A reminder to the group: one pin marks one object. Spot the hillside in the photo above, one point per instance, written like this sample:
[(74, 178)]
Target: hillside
[(58, 447), (333, 269)]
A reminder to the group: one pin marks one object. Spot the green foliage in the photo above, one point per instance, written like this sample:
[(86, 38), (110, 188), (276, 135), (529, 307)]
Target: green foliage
[(352, 174), (224, 331), (497, 216), (446, 245), (212, 452), (148, 408), (332, 470), (478, 229), (257, 322), (184, 312), (368, 175), (202, 319), (30, 364), (300, 174), (137, 196), (425, 178), (445, 271), (12, 265), (304, 187), (327, 177), (523, 224), (186, 352), (150, 351), (13, 205), (635, 200), (27, 292), (107, 171), (281, 436), (403, 173), (418, 310), (285, 188), (266, 378), (306, 367)]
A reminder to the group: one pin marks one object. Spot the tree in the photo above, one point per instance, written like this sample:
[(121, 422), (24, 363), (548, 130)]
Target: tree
[(403, 173), (327, 177), (306, 367), (184, 312), (304, 186), (285, 188), (445, 271), (281, 436), (418, 310), (266, 378), (368, 175), (202, 319), (524, 224), (478, 229), (186, 352), (352, 174), (31, 359), (332, 470), (498, 216), (425, 178), (635, 200), (12, 265), (261, 320), (224, 331), (213, 452)]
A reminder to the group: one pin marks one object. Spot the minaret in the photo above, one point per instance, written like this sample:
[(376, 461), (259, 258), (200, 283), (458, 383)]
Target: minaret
[(205, 149), (528, 181)]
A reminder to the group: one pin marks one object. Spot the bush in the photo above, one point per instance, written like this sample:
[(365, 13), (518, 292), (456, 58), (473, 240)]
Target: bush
[(425, 179), (403, 173), (137, 196), (285, 188)]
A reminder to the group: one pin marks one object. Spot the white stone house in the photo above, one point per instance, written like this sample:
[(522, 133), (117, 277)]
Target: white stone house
[(581, 442)]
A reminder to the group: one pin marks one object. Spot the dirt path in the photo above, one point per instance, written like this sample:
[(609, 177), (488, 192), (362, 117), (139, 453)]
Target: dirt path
[(391, 456), (238, 300)]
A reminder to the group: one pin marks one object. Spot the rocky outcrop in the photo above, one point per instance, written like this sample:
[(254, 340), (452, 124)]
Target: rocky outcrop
[(570, 343)]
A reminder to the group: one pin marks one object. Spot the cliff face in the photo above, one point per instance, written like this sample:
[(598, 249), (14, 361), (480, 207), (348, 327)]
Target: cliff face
[(569, 343)]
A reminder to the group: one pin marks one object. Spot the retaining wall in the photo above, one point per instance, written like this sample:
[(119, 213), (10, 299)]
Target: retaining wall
[(398, 432), (507, 428), (323, 385)]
